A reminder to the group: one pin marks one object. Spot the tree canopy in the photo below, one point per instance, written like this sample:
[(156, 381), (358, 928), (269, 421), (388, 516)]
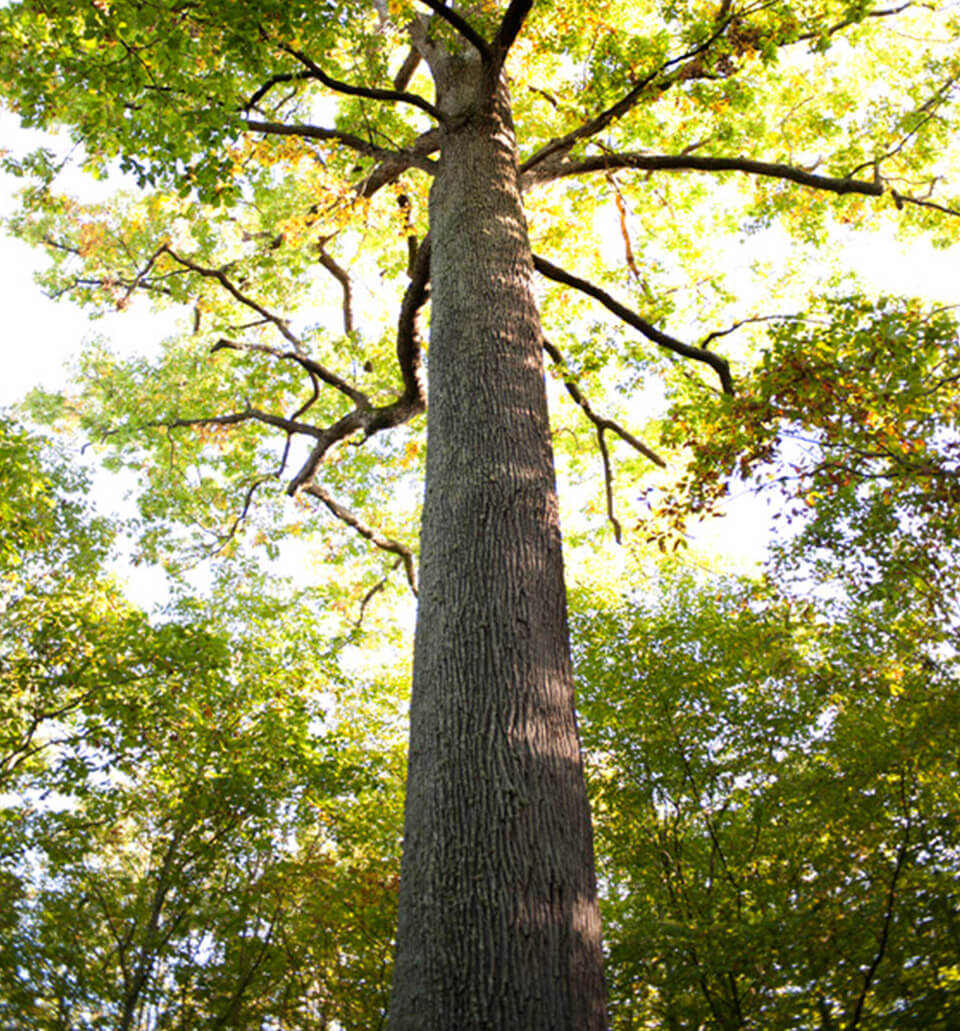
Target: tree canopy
[(352, 205)]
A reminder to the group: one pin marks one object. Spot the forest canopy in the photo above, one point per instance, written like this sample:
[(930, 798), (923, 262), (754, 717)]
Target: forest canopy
[(446, 278)]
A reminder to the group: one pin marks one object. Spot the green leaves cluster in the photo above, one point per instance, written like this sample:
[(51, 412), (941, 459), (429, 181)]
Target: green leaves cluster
[(776, 795), (199, 812)]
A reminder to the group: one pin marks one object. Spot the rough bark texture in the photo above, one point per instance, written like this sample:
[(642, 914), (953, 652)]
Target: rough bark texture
[(498, 925)]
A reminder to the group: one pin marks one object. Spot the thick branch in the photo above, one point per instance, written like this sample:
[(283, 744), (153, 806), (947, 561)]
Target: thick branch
[(410, 158), (696, 163), (510, 26), (718, 364), (370, 92), (408, 341), (458, 22), (409, 66), (390, 169), (354, 521)]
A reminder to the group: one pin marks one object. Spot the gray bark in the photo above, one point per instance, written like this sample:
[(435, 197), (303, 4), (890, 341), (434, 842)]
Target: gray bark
[(498, 923)]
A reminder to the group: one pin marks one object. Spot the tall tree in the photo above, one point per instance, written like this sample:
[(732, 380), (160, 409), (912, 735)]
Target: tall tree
[(215, 107)]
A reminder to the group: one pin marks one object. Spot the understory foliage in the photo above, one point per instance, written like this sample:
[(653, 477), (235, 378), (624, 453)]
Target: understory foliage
[(200, 812), (201, 805)]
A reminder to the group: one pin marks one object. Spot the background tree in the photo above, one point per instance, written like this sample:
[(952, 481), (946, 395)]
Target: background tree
[(200, 814), (209, 105)]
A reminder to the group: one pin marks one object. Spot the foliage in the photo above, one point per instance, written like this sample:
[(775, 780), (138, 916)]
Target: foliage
[(210, 796), (852, 416), (199, 822), (776, 796)]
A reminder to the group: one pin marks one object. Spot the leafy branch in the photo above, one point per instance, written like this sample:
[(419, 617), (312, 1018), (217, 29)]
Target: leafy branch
[(603, 425), (369, 92), (720, 365)]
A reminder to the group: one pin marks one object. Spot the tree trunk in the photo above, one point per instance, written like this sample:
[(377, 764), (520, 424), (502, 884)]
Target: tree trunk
[(498, 923)]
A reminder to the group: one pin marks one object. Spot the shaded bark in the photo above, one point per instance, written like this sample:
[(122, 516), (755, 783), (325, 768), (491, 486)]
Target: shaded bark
[(498, 921)]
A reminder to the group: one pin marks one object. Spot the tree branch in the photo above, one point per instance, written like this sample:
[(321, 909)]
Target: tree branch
[(696, 163), (608, 486), (274, 80), (409, 66), (370, 92), (602, 424), (718, 364), (328, 377), (510, 26), (410, 157), (408, 341), (599, 122), (289, 426), (458, 22), (391, 168), (343, 279), (685, 66), (352, 520), (315, 369), (902, 855)]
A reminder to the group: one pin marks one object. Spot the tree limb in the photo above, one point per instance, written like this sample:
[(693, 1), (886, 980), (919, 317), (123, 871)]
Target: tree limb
[(370, 92), (328, 377), (409, 157), (352, 520), (408, 341), (314, 368), (289, 426), (902, 854), (599, 122), (274, 80), (685, 66), (409, 66), (718, 364), (697, 163), (391, 168), (458, 22), (602, 423), (340, 275), (510, 26), (602, 426)]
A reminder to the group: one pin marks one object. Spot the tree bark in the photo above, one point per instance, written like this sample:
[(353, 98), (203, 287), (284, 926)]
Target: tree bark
[(498, 922)]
